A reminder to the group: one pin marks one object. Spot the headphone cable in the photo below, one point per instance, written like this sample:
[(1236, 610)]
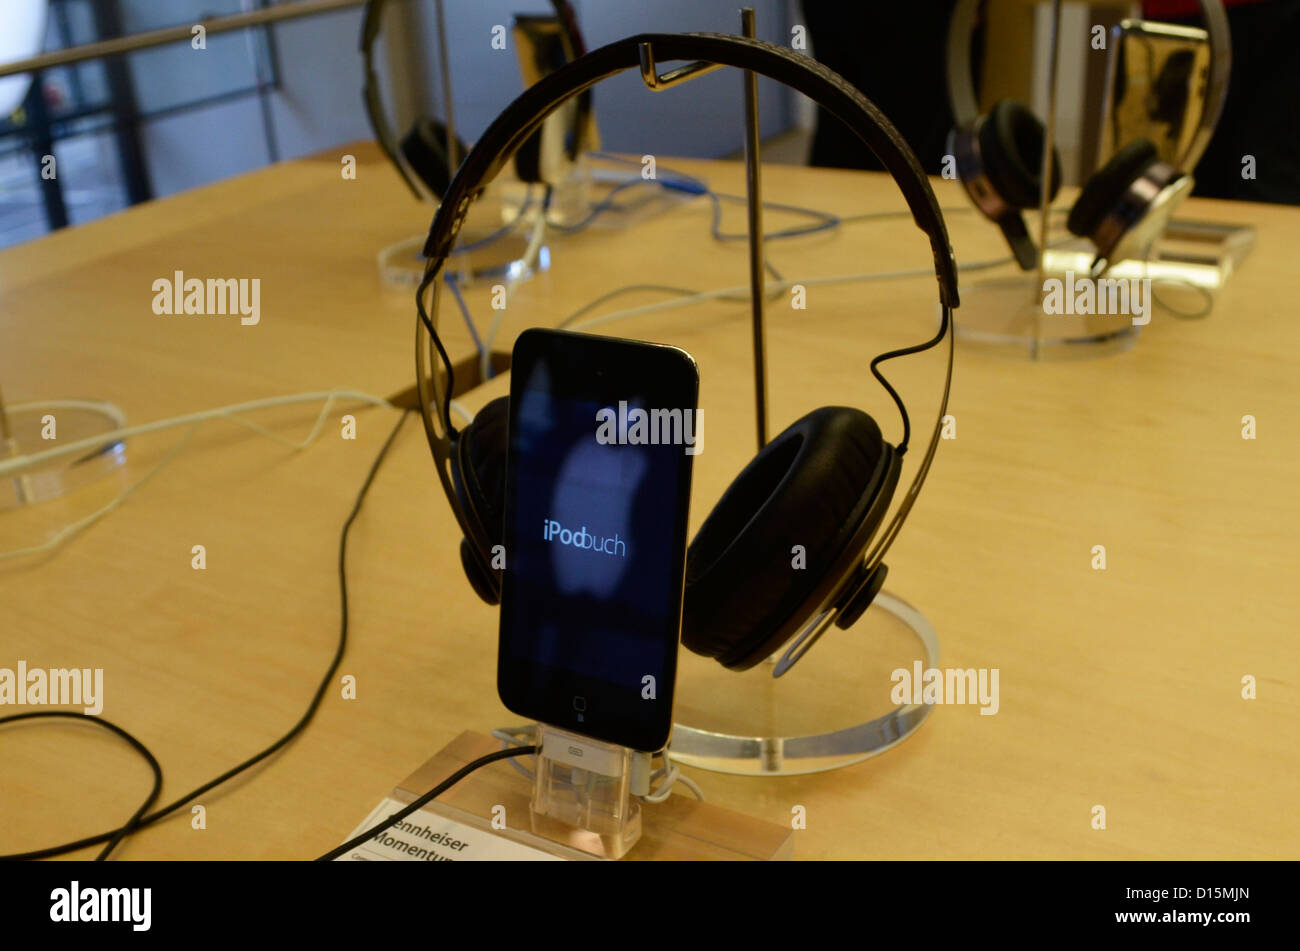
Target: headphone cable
[(134, 822), (433, 793), (138, 821)]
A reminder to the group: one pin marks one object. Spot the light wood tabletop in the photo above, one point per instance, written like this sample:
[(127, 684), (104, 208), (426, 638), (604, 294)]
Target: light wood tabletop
[(1120, 687)]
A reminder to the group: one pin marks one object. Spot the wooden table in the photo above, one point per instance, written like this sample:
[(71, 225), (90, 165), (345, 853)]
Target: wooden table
[(1119, 687)]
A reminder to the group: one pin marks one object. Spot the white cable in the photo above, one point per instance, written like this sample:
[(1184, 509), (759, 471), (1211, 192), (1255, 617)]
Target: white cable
[(691, 784), (524, 735), (526, 265), (535, 241), (743, 289), (10, 448), (67, 531), (90, 406), (513, 736), (462, 412), (194, 420), (230, 413), (672, 775), (665, 789)]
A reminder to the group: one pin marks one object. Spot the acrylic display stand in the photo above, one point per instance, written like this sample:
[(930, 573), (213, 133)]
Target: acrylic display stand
[(831, 710), (1193, 254), (1182, 260), (22, 429), (678, 829), (1006, 315), (583, 793), (492, 244), (1187, 264)]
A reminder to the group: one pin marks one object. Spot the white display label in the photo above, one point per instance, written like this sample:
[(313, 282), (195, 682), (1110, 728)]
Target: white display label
[(427, 837)]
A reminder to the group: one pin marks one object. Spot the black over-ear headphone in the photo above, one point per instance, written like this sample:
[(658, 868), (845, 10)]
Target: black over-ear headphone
[(421, 156), (999, 158), (825, 482)]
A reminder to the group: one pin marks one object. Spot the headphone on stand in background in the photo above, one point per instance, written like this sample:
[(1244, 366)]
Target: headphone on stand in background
[(421, 155), (826, 482), (1122, 207)]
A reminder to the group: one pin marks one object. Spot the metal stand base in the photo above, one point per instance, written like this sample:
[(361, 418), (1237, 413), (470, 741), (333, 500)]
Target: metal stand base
[(810, 720)]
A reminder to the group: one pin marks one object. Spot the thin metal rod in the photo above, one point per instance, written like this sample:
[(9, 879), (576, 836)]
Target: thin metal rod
[(448, 111), (754, 201), (174, 34), (1049, 149)]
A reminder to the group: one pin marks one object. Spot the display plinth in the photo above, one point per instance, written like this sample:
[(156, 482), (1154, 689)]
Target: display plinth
[(832, 709), (679, 829)]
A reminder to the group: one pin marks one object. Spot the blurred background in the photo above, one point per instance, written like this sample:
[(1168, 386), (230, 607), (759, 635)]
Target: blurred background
[(127, 128)]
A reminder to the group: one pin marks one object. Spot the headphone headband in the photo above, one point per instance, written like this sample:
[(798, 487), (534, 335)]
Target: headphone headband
[(519, 119), (371, 17), (799, 72), (961, 82)]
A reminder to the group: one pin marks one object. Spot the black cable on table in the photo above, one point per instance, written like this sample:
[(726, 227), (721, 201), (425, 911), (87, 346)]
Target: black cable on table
[(134, 822), (138, 822), (433, 793)]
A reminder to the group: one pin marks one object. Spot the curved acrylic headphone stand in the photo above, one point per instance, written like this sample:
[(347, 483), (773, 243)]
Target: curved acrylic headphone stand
[(494, 242), (402, 264), (1007, 316), (490, 247), (24, 431), (832, 709), (1020, 316)]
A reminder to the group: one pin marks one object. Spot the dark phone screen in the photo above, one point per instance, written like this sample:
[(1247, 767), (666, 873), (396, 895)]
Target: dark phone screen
[(595, 547)]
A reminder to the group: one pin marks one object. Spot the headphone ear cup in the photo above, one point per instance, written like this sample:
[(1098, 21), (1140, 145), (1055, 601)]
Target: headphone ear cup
[(815, 485), (1011, 146), (478, 473), (483, 581), (425, 149), (1107, 186)]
